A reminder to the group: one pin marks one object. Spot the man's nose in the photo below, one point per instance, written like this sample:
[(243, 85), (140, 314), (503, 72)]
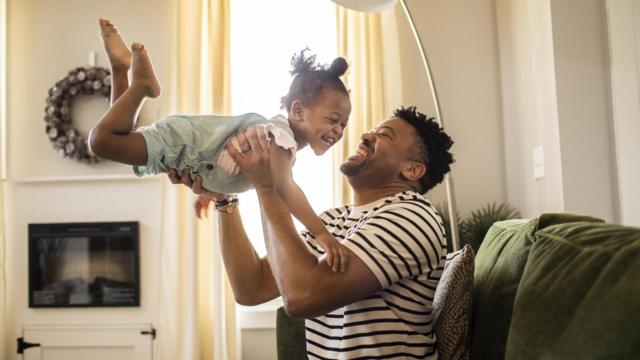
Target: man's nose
[(368, 136)]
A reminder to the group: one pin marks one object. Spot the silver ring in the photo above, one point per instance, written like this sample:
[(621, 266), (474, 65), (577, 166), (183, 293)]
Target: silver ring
[(245, 149)]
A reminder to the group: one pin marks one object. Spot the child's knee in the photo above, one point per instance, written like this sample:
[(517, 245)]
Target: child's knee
[(96, 141)]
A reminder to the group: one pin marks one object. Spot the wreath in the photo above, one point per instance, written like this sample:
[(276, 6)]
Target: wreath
[(65, 138)]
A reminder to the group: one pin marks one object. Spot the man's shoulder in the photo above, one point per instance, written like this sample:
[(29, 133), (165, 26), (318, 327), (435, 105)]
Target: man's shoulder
[(335, 213), (405, 201)]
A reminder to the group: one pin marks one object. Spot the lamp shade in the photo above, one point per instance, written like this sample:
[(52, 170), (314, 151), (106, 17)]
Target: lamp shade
[(366, 5)]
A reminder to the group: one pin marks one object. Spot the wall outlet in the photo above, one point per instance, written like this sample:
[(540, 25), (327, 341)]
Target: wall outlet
[(538, 163)]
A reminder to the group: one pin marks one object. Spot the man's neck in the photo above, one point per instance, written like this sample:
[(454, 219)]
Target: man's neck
[(371, 194)]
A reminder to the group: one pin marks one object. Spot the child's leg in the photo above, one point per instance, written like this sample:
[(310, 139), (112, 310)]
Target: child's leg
[(119, 58), (111, 138)]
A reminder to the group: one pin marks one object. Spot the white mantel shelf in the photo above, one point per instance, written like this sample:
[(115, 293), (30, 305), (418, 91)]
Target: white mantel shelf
[(111, 177)]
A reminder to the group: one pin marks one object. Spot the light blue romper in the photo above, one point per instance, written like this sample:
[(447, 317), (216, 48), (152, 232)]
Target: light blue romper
[(195, 142)]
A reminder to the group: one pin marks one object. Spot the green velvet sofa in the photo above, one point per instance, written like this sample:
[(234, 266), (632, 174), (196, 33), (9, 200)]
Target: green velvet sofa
[(560, 286)]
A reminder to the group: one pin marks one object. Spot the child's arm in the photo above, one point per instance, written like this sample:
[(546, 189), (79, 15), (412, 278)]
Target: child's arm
[(294, 198)]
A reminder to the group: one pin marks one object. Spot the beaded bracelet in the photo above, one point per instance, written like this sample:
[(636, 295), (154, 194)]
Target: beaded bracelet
[(227, 205)]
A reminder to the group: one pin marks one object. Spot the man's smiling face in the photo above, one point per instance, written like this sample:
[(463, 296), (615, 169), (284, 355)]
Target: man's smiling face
[(382, 152)]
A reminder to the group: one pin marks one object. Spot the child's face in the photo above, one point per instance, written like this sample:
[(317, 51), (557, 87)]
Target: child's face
[(323, 123)]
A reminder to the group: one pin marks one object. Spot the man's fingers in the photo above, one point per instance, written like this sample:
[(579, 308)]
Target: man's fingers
[(185, 178), (242, 139), (262, 138), (233, 152), (173, 177), (252, 138)]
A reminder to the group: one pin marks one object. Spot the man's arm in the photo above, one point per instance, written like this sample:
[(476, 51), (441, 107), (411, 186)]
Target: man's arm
[(250, 276), (308, 287)]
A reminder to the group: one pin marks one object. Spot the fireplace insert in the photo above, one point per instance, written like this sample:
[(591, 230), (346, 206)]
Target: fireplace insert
[(84, 264)]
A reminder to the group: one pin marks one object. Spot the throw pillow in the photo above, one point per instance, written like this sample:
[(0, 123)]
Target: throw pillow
[(452, 305)]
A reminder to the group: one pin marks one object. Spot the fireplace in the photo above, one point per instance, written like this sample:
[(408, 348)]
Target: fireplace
[(84, 264)]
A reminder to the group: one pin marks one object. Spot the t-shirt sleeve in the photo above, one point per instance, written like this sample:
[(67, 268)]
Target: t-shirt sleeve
[(327, 217), (281, 133), (399, 240)]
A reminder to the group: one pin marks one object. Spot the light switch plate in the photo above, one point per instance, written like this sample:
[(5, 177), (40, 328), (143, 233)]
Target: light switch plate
[(538, 163)]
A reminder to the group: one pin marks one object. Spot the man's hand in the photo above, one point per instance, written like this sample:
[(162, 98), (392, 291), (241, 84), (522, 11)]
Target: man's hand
[(254, 158), (204, 196)]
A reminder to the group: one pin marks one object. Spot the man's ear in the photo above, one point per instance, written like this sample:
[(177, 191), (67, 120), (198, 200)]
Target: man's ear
[(297, 110), (414, 170)]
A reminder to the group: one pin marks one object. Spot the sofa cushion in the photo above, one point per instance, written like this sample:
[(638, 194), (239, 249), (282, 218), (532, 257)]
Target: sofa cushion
[(452, 306), (579, 293), (499, 266), (290, 336)]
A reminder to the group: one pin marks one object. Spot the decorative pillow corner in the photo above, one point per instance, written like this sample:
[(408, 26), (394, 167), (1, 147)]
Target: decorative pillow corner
[(452, 305)]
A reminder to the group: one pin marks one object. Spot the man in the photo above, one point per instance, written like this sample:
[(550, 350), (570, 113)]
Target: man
[(380, 306)]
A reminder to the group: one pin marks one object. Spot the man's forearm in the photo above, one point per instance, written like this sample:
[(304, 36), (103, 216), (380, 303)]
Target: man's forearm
[(249, 275), (292, 264)]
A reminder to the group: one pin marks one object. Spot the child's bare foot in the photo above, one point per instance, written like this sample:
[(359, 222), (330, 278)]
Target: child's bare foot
[(142, 71), (117, 51)]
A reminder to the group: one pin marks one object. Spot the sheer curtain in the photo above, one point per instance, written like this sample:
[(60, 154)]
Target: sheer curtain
[(196, 306), (2, 273), (373, 78), (3, 68)]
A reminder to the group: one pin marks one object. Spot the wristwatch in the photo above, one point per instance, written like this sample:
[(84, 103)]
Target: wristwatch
[(227, 205)]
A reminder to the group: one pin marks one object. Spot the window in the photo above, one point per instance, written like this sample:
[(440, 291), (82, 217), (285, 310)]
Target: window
[(264, 36)]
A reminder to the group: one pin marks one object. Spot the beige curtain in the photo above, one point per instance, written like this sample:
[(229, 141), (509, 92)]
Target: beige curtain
[(196, 306), (373, 79), (2, 272)]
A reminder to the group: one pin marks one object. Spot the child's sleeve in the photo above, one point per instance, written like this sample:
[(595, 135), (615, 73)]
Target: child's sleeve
[(280, 131)]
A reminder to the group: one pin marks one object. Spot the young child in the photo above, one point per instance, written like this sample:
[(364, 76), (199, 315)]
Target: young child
[(318, 107)]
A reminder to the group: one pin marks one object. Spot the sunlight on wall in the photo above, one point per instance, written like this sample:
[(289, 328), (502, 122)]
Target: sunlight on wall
[(264, 36)]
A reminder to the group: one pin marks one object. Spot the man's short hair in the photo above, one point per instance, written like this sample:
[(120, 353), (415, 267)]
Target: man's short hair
[(433, 149)]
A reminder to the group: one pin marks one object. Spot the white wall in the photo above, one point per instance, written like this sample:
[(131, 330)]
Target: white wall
[(460, 40), (46, 39), (529, 104), (584, 107), (555, 83), (624, 45)]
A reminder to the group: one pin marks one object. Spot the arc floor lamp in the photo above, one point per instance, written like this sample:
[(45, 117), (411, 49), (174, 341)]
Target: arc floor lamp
[(383, 5)]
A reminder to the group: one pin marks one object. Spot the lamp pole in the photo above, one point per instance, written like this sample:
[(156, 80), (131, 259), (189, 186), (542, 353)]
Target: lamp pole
[(448, 180)]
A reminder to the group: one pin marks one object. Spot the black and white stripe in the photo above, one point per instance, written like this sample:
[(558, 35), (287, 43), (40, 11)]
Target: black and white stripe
[(401, 239)]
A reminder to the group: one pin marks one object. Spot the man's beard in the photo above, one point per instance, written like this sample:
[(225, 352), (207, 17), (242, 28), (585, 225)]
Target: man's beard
[(350, 169)]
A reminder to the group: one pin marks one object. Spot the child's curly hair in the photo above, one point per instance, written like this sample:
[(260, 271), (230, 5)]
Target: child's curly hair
[(312, 79), (433, 150)]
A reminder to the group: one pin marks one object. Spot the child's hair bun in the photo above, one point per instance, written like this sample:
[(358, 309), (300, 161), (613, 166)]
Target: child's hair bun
[(338, 66), (301, 63)]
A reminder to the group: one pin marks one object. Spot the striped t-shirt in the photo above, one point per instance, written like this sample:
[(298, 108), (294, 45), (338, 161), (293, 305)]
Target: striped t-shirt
[(400, 238)]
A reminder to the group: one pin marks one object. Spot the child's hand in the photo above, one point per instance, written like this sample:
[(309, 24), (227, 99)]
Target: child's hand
[(202, 204), (337, 255)]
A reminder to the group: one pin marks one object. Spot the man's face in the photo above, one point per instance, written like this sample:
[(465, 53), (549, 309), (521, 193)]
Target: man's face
[(382, 152)]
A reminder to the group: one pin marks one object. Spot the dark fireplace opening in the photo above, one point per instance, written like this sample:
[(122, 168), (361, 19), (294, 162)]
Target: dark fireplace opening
[(84, 264)]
